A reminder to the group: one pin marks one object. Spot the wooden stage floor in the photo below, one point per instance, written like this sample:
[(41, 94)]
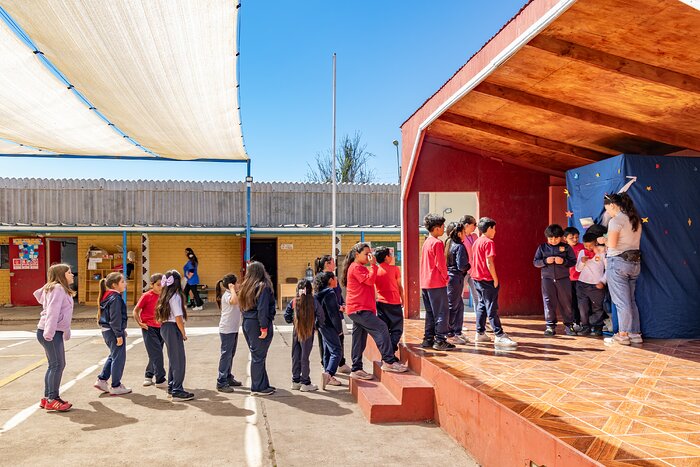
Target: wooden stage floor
[(637, 405)]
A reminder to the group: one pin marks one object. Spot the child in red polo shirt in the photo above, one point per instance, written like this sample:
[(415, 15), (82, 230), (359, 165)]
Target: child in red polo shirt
[(361, 308), (433, 284), (145, 316), (389, 294), (571, 236), (483, 272)]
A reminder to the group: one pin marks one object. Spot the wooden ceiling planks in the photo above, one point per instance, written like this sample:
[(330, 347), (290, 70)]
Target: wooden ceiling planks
[(590, 86)]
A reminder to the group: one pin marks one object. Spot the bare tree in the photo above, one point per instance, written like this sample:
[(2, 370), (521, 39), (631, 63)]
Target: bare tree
[(351, 163)]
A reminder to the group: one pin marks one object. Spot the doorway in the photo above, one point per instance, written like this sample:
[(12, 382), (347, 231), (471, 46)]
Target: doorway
[(63, 250), (264, 250), (27, 269)]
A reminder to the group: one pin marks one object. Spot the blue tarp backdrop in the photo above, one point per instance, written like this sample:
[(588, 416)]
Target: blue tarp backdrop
[(667, 195)]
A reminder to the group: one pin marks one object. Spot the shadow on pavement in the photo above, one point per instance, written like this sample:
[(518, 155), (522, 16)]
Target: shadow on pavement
[(313, 405), (100, 418)]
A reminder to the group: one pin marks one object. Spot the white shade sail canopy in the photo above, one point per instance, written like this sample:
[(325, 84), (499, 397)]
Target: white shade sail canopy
[(158, 78)]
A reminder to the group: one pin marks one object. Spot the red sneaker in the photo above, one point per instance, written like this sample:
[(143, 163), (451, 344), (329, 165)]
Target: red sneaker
[(58, 405), (42, 403)]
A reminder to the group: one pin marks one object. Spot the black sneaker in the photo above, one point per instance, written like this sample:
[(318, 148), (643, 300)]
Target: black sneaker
[(550, 331), (224, 388), (180, 396), (569, 330), (585, 330), (263, 392), (443, 345), (427, 343), (596, 332), (170, 390), (234, 382)]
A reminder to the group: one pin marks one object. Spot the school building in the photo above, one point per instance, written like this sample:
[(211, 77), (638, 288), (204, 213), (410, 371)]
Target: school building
[(83, 223)]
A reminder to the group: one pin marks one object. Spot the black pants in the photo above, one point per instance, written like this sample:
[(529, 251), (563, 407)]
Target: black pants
[(177, 361), (392, 315), (556, 295), (321, 350), (195, 294), (436, 313), (574, 302), (229, 342), (300, 359), (590, 304), (488, 307), (154, 348), (258, 353), (363, 323)]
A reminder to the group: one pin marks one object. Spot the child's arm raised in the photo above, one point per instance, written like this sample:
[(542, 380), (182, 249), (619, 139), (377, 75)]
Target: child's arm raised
[(289, 312)]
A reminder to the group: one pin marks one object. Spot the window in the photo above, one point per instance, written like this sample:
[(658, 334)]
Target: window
[(4, 256)]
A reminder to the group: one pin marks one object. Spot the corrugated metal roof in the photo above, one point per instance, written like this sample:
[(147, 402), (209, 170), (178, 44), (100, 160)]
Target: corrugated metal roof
[(114, 203)]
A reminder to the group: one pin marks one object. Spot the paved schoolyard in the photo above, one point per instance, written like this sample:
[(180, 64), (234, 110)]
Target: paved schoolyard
[(287, 429)]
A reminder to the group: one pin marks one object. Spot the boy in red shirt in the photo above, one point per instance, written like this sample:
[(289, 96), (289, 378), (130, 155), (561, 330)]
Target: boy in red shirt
[(483, 272), (571, 236), (433, 284), (389, 294)]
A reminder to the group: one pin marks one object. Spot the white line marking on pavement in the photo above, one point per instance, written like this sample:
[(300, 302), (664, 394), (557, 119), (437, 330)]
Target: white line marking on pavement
[(26, 413), (14, 345), (251, 440)]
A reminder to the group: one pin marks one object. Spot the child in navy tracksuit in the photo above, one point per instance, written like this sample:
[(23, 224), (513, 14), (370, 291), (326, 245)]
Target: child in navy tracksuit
[(307, 315), (112, 319), (257, 301), (331, 328), (554, 258), (457, 267)]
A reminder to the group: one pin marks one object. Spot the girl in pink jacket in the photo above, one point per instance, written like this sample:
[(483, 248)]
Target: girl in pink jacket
[(56, 298)]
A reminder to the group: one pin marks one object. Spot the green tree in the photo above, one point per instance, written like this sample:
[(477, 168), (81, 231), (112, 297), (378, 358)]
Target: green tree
[(351, 163)]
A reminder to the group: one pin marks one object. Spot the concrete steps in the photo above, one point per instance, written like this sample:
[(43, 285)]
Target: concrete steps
[(394, 397)]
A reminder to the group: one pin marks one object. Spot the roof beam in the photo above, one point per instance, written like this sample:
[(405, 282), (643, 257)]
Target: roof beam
[(651, 132), (615, 63), (585, 154)]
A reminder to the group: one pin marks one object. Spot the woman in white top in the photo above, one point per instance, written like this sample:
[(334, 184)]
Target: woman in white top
[(623, 265)]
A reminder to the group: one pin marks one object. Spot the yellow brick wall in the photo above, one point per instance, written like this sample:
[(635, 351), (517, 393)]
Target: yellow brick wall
[(218, 255), (4, 277)]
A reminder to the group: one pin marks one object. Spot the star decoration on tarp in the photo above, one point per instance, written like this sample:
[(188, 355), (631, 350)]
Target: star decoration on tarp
[(566, 192), (569, 214), (597, 175), (645, 220), (658, 166), (649, 188), (690, 222)]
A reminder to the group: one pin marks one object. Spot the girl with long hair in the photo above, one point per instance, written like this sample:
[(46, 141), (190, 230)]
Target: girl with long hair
[(227, 301), (257, 301), (145, 316), (326, 263), (623, 265), (192, 279), (457, 267), (306, 313), (56, 299), (331, 327), (112, 318), (361, 308), (171, 313)]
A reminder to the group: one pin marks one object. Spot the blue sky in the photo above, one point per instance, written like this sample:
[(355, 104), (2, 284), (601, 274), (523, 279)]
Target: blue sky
[(392, 56)]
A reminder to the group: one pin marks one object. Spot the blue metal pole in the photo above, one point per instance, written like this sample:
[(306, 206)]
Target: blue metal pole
[(248, 183), (362, 237), (124, 255)]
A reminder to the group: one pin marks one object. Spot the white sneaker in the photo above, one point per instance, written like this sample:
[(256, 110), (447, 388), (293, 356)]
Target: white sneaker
[(504, 341), (308, 387), (101, 385), (635, 338), (119, 390), (296, 386), (459, 339), (481, 338), (148, 382), (197, 308), (345, 369), (361, 374), (395, 367), (162, 385)]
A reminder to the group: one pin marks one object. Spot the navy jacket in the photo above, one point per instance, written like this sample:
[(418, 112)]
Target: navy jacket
[(264, 309), (318, 312), (554, 271), (329, 302), (113, 314), (458, 261)]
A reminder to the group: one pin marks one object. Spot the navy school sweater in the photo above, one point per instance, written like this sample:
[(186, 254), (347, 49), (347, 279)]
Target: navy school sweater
[(554, 271), (113, 313), (263, 310)]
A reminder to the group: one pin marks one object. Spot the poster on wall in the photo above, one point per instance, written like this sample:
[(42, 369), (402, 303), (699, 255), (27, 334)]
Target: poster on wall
[(28, 253)]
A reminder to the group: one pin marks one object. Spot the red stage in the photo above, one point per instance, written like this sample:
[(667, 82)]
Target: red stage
[(563, 401)]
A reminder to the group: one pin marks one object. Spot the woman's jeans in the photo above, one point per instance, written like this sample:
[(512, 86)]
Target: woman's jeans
[(56, 355), (622, 276)]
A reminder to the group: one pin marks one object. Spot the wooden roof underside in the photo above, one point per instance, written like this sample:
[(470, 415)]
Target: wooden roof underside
[(606, 77)]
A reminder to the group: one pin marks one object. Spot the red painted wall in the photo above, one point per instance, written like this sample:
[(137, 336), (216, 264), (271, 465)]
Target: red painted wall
[(517, 198)]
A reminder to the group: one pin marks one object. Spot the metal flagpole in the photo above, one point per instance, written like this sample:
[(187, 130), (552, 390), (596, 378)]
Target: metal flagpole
[(334, 176)]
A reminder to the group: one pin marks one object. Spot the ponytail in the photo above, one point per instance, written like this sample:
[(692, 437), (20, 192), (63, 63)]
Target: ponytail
[(357, 248), (107, 283), (219, 293), (304, 311), (626, 205)]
